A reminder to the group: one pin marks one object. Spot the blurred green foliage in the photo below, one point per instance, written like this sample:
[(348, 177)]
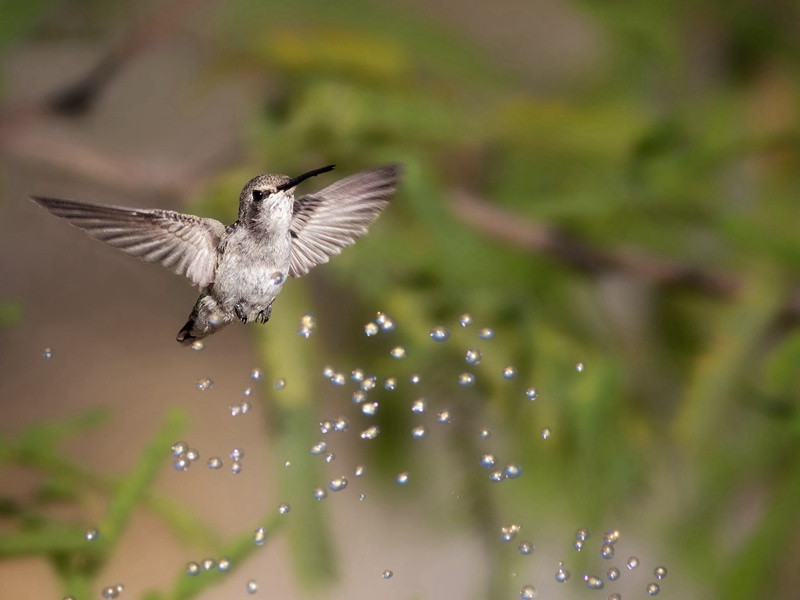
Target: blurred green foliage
[(682, 141)]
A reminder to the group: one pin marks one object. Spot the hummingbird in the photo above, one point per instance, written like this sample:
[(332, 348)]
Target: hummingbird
[(241, 268)]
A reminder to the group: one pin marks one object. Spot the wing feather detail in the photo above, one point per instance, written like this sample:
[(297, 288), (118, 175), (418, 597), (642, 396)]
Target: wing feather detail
[(333, 218), (184, 243)]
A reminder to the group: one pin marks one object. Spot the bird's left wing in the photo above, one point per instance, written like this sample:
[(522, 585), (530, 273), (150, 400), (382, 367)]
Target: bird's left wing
[(333, 218), (184, 243)]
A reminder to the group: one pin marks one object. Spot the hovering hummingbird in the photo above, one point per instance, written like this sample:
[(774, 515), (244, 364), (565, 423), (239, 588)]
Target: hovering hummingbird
[(241, 268)]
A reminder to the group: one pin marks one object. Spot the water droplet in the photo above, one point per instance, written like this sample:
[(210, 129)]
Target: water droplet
[(579, 367), (338, 484), (247, 391), (512, 471), (390, 384), (613, 574), (198, 345), (328, 371), (47, 353), (439, 334), (362, 496), (525, 547), (546, 433), (510, 372), (509, 532), (398, 352), (279, 384), (252, 586), (414, 379), (562, 574), (192, 454), (234, 410), (385, 321), (215, 462), (224, 565), (236, 467), (488, 461), (360, 470), (444, 417), (237, 454), (256, 374), (179, 448), (371, 329), (653, 589), (276, 278), (528, 592), (370, 433), (284, 509), (319, 493), (110, 591), (307, 325), (358, 396), (325, 427), (607, 551), (582, 534), (91, 534), (466, 379), (260, 536), (387, 574), (473, 356), (485, 434), (532, 393), (369, 383), (593, 583), (660, 572), (486, 333), (369, 408), (632, 563), (578, 545), (611, 536), (419, 432), (615, 596), (319, 448), (418, 406), (496, 476), (192, 568), (330, 457), (341, 424), (203, 384), (209, 563), (245, 406), (402, 478), (181, 464)]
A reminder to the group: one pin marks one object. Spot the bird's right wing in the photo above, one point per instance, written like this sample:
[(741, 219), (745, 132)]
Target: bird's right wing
[(184, 243)]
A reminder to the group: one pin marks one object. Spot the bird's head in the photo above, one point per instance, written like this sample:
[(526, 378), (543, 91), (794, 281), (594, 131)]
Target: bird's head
[(264, 195)]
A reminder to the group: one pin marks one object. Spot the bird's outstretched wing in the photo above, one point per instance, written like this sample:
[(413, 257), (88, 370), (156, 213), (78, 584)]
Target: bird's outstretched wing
[(333, 218), (184, 243)]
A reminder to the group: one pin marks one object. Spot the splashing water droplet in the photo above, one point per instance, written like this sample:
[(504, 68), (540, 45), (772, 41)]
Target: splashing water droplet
[(276, 278), (341, 424), (488, 461), (473, 356), (279, 384), (358, 396), (439, 334), (444, 417), (509, 532), (192, 568), (615, 596), (204, 384), (579, 367), (390, 384), (369, 383), (260, 536), (466, 379), (402, 478), (360, 470), (284, 509), (224, 565), (510, 372), (209, 563), (385, 321), (237, 454), (371, 329), (486, 333), (318, 448), (653, 589), (91, 534), (414, 379), (546, 433), (613, 574), (532, 393), (179, 448), (562, 574), (632, 563), (338, 484), (611, 536), (496, 476), (593, 583), (578, 545), (370, 433), (215, 462), (660, 572), (47, 353), (181, 464), (525, 547), (362, 496), (369, 408), (387, 574), (252, 586), (485, 434), (236, 467), (419, 432), (330, 457), (607, 551), (418, 406), (357, 375), (319, 493), (198, 345), (398, 352), (465, 320), (307, 325), (256, 374), (528, 592), (512, 471)]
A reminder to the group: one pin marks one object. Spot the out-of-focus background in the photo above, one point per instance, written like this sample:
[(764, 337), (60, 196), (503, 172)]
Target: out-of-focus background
[(612, 187)]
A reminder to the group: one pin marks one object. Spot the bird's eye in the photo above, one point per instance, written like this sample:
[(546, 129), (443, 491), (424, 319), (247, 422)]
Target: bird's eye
[(258, 195)]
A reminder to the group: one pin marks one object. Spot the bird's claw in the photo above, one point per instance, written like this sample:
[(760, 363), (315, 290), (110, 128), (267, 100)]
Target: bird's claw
[(239, 310), (263, 315)]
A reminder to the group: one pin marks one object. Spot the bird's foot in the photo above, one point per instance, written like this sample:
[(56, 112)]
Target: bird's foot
[(239, 310), (263, 316)]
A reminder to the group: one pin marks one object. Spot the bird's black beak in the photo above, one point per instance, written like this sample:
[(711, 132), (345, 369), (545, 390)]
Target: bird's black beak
[(295, 181)]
